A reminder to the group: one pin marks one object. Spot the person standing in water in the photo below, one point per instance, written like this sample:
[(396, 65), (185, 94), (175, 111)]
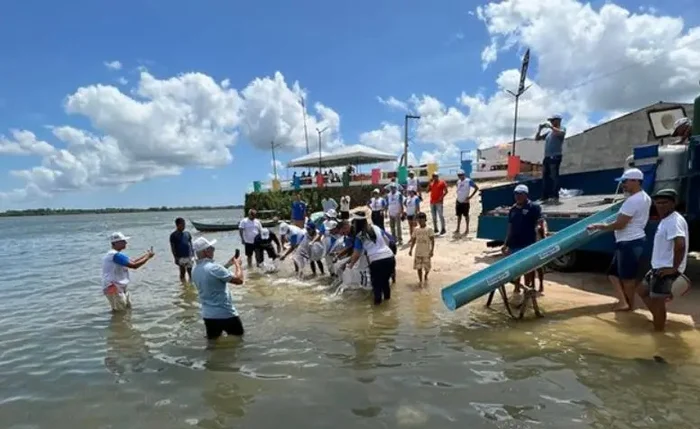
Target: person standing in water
[(423, 240), (115, 272), (212, 280), (249, 228), (181, 247)]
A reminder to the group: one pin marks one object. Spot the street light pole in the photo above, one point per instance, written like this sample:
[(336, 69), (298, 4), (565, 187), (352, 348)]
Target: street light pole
[(319, 146), (306, 132), (274, 161), (405, 138)]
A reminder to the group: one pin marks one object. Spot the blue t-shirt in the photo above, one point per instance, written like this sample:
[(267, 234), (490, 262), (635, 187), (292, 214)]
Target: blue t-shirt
[(121, 259), (298, 210), (211, 280), (553, 143), (181, 243), (348, 241), (295, 239), (523, 221)]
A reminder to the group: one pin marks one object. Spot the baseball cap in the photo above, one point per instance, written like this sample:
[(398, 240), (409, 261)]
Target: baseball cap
[(201, 243), (284, 228), (264, 233), (679, 123), (375, 191), (460, 172), (631, 174), (668, 193), (521, 189), (118, 236), (554, 116), (331, 214)]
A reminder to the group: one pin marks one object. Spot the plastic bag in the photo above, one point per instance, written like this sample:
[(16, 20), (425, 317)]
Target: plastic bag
[(568, 193)]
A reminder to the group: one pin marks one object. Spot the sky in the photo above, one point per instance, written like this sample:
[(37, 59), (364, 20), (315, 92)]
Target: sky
[(151, 103)]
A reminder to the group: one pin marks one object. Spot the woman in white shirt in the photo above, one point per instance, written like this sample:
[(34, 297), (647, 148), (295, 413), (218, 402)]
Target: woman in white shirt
[(372, 242), (345, 208), (412, 207), (378, 206), (630, 239)]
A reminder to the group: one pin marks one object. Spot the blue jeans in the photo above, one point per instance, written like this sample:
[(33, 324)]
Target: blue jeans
[(626, 264), (550, 176), (436, 212)]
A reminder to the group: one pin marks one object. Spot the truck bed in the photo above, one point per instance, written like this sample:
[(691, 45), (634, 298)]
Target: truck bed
[(580, 206)]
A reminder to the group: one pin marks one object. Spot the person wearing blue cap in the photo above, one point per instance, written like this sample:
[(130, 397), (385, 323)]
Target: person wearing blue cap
[(553, 143)]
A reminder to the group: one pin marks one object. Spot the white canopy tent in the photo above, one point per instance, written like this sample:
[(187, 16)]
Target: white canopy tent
[(349, 155)]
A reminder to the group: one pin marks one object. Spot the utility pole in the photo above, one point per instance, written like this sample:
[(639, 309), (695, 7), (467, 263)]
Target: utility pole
[(521, 90), (405, 138), (274, 161), (306, 132), (319, 146)]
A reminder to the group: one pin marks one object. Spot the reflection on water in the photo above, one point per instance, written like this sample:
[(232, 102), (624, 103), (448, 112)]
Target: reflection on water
[(308, 359)]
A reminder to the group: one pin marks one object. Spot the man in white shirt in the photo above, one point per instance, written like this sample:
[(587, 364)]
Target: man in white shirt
[(395, 209), (630, 238), (466, 189), (329, 204), (249, 228), (115, 272), (669, 256)]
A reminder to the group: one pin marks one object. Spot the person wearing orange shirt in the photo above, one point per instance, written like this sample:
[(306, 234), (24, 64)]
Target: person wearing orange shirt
[(438, 190)]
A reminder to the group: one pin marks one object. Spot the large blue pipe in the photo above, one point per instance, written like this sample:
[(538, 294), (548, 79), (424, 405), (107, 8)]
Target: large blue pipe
[(526, 260)]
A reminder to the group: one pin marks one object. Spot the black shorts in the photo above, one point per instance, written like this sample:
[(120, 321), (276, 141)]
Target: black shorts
[(411, 218), (462, 209), (260, 253), (344, 215), (659, 287), (215, 327), (249, 249)]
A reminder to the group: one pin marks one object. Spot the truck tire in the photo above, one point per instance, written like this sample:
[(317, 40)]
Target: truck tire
[(565, 262)]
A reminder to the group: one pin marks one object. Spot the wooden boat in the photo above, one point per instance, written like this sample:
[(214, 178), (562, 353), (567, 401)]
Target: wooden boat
[(218, 227)]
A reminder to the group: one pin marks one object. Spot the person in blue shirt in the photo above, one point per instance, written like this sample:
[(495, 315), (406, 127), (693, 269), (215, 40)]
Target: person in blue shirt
[(181, 247), (524, 219), (299, 211), (553, 143), (212, 281)]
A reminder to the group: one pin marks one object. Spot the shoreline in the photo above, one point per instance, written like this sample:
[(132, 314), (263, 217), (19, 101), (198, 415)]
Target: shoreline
[(109, 210)]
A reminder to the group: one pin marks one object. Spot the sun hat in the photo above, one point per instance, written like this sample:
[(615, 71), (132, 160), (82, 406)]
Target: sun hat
[(631, 174), (201, 243), (118, 236)]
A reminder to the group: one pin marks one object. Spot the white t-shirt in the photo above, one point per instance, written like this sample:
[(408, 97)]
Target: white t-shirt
[(411, 204), (113, 273), (463, 188), (329, 204), (395, 201), (670, 227), (377, 204), (250, 228), (412, 184), (345, 204), (637, 207)]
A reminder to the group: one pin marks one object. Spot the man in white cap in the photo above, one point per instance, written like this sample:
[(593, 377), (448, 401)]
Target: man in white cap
[(211, 280), (553, 142), (115, 272), (630, 237), (682, 128), (466, 189)]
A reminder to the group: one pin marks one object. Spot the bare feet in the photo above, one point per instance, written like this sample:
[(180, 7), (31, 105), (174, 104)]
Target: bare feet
[(621, 306)]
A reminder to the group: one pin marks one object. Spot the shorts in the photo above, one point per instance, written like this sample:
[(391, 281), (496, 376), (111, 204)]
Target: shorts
[(118, 297), (411, 218), (462, 209), (185, 262), (626, 264), (215, 327), (249, 249), (344, 215), (662, 287), (421, 263), (260, 253)]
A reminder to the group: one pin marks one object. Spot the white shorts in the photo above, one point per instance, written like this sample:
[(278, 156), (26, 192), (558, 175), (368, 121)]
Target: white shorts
[(119, 298), (185, 262)]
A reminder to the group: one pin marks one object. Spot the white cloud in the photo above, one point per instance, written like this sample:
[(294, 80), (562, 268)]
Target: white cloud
[(393, 103), (280, 169), (113, 65), (388, 138), (122, 80), (24, 143)]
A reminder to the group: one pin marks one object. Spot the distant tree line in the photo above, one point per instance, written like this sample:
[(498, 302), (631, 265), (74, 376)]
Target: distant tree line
[(108, 210)]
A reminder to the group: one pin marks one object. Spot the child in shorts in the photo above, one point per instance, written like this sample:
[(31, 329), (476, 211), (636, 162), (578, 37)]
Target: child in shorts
[(423, 240)]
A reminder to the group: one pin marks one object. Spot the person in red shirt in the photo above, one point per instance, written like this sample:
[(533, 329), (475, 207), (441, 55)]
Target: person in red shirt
[(438, 190)]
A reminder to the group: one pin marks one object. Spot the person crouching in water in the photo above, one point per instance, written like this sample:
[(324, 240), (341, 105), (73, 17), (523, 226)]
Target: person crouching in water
[(263, 244), (423, 240), (669, 256), (372, 241), (300, 242), (115, 272), (212, 280)]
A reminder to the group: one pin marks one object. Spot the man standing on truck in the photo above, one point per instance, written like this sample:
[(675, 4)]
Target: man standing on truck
[(553, 142), (630, 238), (668, 257)]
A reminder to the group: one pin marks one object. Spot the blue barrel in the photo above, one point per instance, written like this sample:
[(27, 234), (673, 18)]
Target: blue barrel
[(467, 167)]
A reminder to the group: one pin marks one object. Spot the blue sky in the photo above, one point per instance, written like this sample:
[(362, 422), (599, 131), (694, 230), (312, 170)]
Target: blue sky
[(345, 54)]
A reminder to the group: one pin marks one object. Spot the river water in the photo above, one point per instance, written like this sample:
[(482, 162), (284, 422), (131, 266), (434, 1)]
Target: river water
[(308, 360)]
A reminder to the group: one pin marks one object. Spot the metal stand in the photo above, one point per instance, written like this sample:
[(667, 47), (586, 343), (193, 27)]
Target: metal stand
[(529, 297)]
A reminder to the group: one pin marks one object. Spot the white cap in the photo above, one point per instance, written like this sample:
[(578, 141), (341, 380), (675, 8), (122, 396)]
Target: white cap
[(679, 123), (631, 174), (284, 228), (460, 172), (521, 189), (201, 243), (118, 236), (331, 214), (375, 190), (554, 116), (330, 224), (264, 233)]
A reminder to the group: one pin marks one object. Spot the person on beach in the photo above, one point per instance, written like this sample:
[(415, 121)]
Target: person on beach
[(370, 240), (181, 248), (115, 272), (211, 280), (396, 214), (524, 217), (438, 190), (682, 128), (411, 208), (328, 204), (669, 256), (264, 244), (466, 189), (630, 238), (345, 207), (299, 209), (423, 240), (378, 205), (249, 228), (412, 183), (553, 143)]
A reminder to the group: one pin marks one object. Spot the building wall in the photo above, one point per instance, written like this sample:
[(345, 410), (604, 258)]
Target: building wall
[(608, 145)]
